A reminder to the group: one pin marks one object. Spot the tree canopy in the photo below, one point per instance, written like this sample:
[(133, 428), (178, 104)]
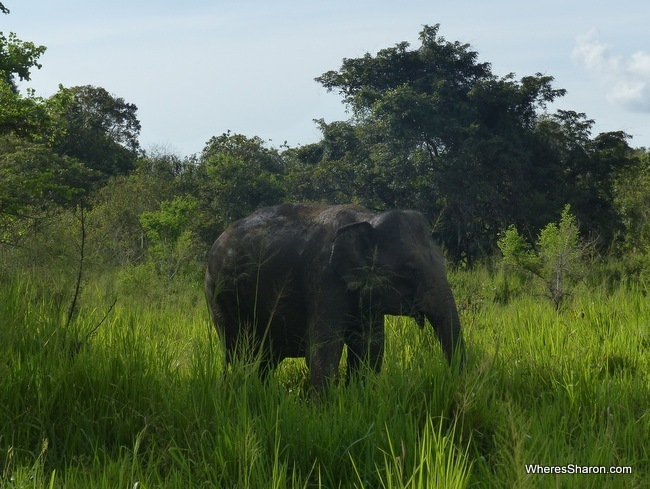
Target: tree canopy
[(54, 151), (431, 128), (98, 128), (441, 133), (434, 129), (18, 58)]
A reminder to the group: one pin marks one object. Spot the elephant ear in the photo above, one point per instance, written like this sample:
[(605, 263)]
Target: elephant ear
[(352, 252)]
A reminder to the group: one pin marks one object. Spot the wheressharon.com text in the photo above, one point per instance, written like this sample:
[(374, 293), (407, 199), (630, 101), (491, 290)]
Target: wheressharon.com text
[(576, 469)]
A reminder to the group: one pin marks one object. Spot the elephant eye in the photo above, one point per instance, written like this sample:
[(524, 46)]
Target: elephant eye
[(410, 270)]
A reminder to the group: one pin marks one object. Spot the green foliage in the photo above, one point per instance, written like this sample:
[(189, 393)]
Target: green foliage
[(439, 463), (591, 167), (519, 252), (632, 201), (171, 243), (435, 130), (33, 182), (116, 235), (145, 401), (237, 175), (53, 152), (24, 116), (170, 222), (136, 396), (17, 58), (99, 129), (558, 258), (432, 129)]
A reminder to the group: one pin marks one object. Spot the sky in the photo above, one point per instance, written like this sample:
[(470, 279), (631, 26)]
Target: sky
[(196, 69)]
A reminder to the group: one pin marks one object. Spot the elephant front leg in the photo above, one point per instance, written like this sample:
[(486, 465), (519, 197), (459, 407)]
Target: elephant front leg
[(323, 360), (366, 347)]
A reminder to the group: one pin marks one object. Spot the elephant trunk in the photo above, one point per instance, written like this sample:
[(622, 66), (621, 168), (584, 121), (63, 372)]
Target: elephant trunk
[(442, 313)]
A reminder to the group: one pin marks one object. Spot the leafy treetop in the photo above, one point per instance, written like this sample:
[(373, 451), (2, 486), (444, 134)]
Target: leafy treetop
[(18, 58)]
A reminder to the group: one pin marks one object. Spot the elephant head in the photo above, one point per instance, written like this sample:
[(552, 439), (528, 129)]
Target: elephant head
[(391, 262)]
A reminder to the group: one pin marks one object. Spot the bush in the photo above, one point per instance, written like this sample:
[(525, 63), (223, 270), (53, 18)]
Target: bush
[(557, 259), (172, 247)]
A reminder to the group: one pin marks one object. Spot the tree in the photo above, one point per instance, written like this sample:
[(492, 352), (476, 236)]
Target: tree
[(238, 175), (99, 129), (301, 164), (23, 116), (558, 258), (34, 182), (17, 58), (26, 117), (172, 245), (590, 167), (632, 201), (116, 235), (332, 170), (441, 133)]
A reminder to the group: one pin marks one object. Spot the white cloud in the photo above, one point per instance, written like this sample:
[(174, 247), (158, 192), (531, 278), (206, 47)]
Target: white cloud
[(626, 79), (595, 55), (640, 64), (632, 95)]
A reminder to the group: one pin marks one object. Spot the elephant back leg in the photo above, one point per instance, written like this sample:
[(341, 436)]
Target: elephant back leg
[(228, 325)]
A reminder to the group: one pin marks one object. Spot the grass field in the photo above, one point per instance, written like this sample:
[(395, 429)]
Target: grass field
[(141, 402)]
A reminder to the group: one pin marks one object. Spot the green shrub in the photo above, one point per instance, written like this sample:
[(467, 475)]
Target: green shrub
[(557, 259), (173, 249)]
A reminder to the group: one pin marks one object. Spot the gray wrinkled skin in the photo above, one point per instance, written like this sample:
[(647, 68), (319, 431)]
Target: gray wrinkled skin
[(303, 280)]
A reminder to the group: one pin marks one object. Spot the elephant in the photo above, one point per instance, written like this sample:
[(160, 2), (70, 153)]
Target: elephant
[(305, 280)]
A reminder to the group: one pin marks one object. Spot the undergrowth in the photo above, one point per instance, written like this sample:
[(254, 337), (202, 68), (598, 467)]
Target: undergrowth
[(142, 401)]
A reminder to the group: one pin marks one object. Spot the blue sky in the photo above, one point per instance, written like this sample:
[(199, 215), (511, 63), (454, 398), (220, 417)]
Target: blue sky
[(196, 69)]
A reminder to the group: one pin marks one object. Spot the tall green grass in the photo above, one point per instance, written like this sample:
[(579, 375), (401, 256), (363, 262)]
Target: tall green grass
[(143, 401)]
